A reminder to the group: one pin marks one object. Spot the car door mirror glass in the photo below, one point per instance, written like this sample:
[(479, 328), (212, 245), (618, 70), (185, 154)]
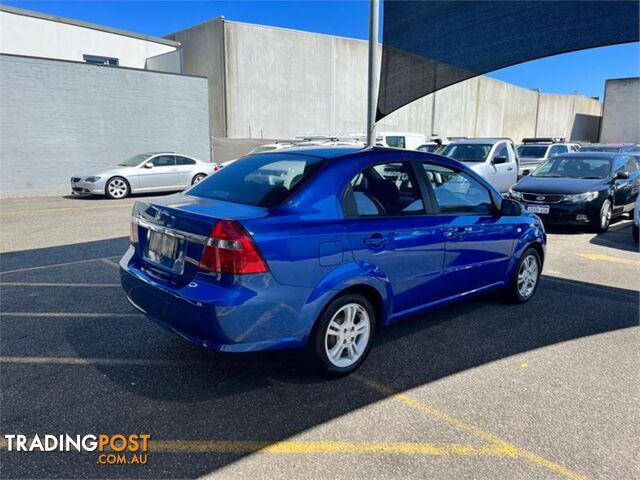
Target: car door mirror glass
[(510, 208), (499, 160)]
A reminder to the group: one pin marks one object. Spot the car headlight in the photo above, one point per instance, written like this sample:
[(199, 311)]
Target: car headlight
[(515, 194), (92, 179), (581, 197)]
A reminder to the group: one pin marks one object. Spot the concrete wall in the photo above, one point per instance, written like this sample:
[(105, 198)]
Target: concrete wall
[(278, 83), (204, 56), (59, 118), (44, 36), (170, 62), (621, 118)]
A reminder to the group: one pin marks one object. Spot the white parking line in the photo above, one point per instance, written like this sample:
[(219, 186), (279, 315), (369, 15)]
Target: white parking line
[(72, 285), (68, 314), (77, 262)]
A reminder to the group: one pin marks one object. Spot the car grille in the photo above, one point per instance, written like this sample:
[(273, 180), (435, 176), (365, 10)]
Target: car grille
[(75, 179), (542, 197)]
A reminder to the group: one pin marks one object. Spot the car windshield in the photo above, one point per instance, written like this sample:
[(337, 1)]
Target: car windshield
[(429, 148), (467, 152), (532, 151), (135, 161), (263, 180), (574, 167)]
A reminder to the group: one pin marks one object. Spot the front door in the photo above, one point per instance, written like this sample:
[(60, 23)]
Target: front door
[(479, 243), (391, 235), (505, 175), (161, 176)]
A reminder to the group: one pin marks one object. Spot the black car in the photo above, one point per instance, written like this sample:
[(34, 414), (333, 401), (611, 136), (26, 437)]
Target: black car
[(583, 188)]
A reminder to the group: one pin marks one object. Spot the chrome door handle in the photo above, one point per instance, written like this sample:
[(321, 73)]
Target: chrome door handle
[(376, 240)]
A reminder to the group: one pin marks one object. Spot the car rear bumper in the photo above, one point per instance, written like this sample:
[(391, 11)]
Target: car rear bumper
[(250, 314)]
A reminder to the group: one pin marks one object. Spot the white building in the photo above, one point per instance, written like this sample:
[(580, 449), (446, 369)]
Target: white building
[(34, 34)]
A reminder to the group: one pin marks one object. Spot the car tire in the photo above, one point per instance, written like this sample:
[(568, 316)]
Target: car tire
[(343, 336), (526, 277), (601, 223), (117, 188), (634, 232), (198, 178)]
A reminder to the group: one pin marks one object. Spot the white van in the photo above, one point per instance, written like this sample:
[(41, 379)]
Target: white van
[(410, 141)]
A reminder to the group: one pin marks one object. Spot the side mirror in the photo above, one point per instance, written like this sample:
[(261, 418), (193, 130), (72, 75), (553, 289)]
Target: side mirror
[(621, 176), (148, 165), (526, 172), (499, 160), (510, 208)]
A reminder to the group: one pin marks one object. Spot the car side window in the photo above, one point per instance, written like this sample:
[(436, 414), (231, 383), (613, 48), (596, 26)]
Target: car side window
[(457, 192), (184, 160), (163, 161), (388, 189), (502, 151), (396, 142)]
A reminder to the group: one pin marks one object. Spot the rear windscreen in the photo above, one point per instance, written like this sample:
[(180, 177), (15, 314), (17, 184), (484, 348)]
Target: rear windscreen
[(263, 180)]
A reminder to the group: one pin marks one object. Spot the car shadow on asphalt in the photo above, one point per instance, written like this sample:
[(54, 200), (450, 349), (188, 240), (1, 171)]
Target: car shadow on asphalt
[(196, 394)]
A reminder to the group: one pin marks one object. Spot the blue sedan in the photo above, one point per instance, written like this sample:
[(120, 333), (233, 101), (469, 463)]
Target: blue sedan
[(318, 248)]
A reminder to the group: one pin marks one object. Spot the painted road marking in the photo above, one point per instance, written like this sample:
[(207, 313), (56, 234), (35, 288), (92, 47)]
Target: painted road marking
[(316, 447), (606, 258), (144, 362), (72, 285), (58, 209), (108, 261), (68, 314), (497, 442), (77, 262)]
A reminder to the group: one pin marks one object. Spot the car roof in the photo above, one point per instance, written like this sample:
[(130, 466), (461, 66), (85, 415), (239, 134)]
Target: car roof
[(320, 151), (483, 141), (591, 155)]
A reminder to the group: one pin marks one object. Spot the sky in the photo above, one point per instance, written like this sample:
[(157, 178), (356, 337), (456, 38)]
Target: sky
[(582, 72)]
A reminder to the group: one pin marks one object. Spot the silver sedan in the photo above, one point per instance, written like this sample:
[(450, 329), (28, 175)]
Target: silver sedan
[(147, 172)]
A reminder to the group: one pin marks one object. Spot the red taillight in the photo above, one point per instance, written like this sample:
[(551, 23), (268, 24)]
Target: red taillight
[(230, 249), (216, 167)]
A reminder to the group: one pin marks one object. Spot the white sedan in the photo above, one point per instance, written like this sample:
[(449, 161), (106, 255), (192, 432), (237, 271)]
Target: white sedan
[(147, 172)]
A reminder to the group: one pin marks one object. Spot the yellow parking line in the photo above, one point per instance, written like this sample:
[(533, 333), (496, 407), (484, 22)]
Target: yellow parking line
[(65, 264), (606, 258), (140, 362), (56, 209), (497, 442), (72, 285), (316, 447), (68, 314)]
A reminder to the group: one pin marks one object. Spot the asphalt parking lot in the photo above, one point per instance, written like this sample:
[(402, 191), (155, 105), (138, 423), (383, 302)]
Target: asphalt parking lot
[(482, 389)]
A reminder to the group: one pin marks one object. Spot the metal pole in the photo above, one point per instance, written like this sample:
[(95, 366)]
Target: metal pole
[(372, 97)]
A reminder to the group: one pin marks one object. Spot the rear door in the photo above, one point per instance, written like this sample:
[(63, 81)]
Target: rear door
[(479, 243), (391, 234)]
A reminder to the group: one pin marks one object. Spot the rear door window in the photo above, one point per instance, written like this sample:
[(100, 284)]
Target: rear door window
[(396, 141), (388, 189), (263, 180), (184, 160)]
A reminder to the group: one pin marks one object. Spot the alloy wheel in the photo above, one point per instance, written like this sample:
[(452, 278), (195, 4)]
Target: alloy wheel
[(117, 188), (605, 217), (528, 276), (347, 335)]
